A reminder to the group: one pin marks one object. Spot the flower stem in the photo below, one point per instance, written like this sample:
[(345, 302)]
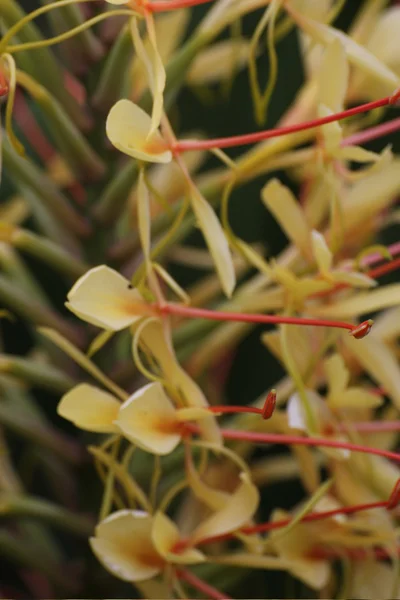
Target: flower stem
[(277, 438), (208, 590), (214, 315), (252, 138), (166, 5)]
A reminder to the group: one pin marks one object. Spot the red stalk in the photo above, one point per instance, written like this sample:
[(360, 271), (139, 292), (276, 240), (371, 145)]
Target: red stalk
[(205, 588), (214, 315), (373, 426), (167, 5), (252, 138), (372, 133), (278, 438), (266, 411)]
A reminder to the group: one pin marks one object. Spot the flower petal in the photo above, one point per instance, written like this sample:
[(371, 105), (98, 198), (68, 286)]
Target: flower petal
[(236, 513), (103, 298), (89, 408), (337, 374), (217, 62), (155, 340), (378, 361), (123, 545), (321, 252), (148, 420), (361, 303), (128, 128), (282, 204), (333, 76), (165, 535), (216, 240)]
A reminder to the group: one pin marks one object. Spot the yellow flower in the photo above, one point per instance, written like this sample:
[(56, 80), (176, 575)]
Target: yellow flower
[(147, 418), (134, 545), (129, 129)]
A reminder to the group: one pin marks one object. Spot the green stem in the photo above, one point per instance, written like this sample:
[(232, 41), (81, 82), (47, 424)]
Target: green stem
[(24, 172), (113, 72), (48, 252), (32, 431), (72, 144), (20, 302), (41, 375), (12, 505), (86, 47)]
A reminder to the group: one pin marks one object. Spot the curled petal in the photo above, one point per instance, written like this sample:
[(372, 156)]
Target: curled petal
[(123, 544), (236, 513), (165, 536), (104, 298), (321, 252), (128, 128), (148, 419), (90, 408)]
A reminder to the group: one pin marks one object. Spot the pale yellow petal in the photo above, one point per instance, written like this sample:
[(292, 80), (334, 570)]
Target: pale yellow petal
[(357, 55), (337, 375), (122, 543), (322, 254), (356, 398), (370, 195), (217, 62), (333, 76), (353, 279), (216, 240), (148, 420), (372, 580), (362, 302), (213, 498), (332, 132), (160, 347), (378, 361), (287, 211), (239, 510), (144, 219), (358, 154), (165, 535), (128, 129), (293, 549), (89, 408), (103, 297)]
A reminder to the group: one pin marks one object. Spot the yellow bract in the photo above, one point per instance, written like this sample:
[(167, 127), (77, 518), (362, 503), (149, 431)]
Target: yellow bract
[(104, 298), (129, 129)]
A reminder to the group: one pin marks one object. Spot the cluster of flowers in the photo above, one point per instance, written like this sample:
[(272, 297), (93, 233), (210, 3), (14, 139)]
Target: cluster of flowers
[(161, 540)]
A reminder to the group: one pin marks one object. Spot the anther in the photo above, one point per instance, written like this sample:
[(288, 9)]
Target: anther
[(362, 330), (269, 405)]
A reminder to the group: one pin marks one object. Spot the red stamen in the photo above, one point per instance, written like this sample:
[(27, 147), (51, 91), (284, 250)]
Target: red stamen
[(235, 409), (205, 588), (373, 427), (278, 438), (372, 133), (393, 501), (219, 315), (269, 405), (384, 269), (362, 330), (251, 138), (167, 5)]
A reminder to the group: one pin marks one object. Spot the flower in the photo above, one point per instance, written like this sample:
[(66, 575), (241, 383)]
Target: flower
[(129, 129), (147, 418), (134, 545)]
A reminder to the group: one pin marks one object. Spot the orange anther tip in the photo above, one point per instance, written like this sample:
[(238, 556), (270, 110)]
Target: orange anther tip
[(394, 496), (362, 330), (269, 405)]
